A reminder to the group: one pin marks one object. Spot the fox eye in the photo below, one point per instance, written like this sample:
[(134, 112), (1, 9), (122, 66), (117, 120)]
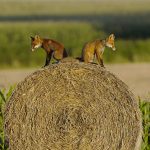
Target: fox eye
[(32, 38), (37, 37)]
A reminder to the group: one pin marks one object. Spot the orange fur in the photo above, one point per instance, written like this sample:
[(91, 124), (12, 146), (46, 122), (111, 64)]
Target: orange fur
[(51, 47), (96, 48)]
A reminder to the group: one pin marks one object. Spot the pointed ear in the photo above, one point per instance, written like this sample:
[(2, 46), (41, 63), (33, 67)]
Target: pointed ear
[(32, 38), (112, 36), (37, 37)]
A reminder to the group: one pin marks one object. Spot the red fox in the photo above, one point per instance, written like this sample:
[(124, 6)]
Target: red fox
[(97, 47), (51, 47)]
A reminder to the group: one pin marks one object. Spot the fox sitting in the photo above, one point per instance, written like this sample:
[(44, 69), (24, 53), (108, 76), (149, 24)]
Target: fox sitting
[(52, 48), (97, 48)]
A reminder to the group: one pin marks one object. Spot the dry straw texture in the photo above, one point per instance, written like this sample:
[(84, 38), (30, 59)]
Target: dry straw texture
[(72, 106)]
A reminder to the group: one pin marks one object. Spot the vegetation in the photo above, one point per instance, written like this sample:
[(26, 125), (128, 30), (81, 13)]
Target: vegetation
[(66, 7), (73, 23), (144, 107), (4, 96), (15, 38)]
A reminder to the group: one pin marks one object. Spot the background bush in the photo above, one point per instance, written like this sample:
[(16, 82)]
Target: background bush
[(74, 23), (15, 50)]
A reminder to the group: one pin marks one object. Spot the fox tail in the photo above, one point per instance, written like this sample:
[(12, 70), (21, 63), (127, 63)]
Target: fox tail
[(79, 58)]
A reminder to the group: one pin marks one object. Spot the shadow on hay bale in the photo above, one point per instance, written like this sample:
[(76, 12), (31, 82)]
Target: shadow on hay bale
[(72, 106)]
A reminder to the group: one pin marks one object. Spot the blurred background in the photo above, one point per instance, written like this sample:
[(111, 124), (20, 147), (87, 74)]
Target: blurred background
[(74, 22)]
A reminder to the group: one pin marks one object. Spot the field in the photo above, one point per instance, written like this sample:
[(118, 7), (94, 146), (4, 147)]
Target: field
[(138, 81), (15, 50), (73, 23), (71, 7)]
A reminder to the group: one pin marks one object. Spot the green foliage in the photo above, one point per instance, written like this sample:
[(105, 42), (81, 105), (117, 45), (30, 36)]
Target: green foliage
[(38, 7), (144, 107), (4, 96), (73, 23), (129, 51), (16, 45), (2, 101), (15, 38)]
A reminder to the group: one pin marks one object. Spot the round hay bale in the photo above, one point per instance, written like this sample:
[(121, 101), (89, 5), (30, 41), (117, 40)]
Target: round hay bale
[(72, 106)]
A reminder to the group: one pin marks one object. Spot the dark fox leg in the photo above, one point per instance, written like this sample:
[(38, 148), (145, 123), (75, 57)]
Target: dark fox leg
[(80, 59), (47, 61), (101, 63), (65, 54), (48, 58)]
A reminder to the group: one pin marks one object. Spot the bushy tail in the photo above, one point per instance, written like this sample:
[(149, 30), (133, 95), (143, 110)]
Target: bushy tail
[(79, 58)]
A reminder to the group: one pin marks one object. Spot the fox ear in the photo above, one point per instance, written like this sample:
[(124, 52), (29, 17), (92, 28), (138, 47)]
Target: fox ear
[(37, 37), (32, 38), (112, 36)]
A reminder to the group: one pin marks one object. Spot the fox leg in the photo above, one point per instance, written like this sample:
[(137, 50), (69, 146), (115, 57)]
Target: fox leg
[(58, 55), (48, 58), (101, 62), (88, 58), (47, 61), (99, 58)]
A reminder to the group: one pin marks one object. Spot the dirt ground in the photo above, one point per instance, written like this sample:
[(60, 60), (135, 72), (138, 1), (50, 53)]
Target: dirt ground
[(136, 76)]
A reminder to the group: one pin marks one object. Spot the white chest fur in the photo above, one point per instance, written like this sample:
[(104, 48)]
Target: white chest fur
[(102, 50), (37, 46)]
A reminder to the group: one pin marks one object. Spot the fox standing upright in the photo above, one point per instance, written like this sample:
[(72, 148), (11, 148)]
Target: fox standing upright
[(97, 47), (51, 47)]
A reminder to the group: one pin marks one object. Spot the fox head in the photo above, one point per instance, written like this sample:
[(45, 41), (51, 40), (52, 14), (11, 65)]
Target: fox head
[(36, 42), (110, 42)]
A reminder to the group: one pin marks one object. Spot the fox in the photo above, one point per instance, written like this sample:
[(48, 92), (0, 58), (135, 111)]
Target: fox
[(52, 48), (96, 48)]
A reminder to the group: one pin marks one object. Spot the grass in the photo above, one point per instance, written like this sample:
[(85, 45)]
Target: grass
[(144, 107), (72, 7), (15, 38), (4, 96), (73, 23), (18, 53)]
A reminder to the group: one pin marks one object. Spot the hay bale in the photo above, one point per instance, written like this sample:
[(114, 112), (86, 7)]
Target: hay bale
[(72, 106)]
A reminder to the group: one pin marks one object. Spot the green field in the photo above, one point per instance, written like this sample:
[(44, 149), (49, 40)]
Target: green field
[(144, 107), (15, 38), (71, 7), (73, 23)]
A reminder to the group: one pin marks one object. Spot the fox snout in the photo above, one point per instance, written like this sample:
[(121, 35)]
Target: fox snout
[(111, 46), (32, 49), (114, 48), (35, 47)]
